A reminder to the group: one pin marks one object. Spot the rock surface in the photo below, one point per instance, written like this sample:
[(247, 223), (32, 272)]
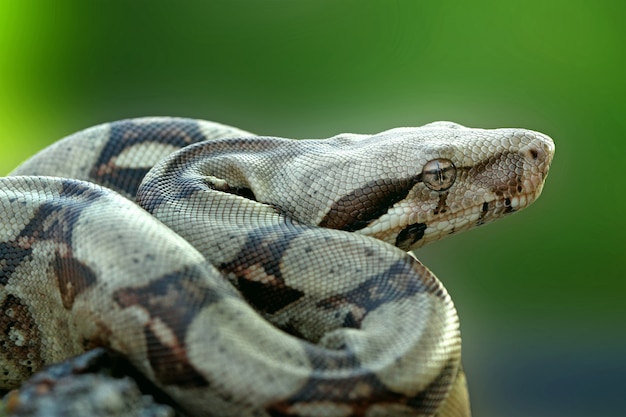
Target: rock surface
[(94, 384)]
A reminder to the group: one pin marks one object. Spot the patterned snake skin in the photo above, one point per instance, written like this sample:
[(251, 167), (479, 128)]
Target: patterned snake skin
[(233, 283)]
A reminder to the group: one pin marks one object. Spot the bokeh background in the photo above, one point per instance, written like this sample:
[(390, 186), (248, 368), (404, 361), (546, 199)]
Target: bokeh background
[(541, 295)]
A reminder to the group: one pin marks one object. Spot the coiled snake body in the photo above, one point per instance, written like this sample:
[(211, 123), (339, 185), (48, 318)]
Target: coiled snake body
[(233, 283)]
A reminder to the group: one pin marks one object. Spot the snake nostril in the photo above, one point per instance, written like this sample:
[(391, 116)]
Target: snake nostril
[(533, 154), (539, 150)]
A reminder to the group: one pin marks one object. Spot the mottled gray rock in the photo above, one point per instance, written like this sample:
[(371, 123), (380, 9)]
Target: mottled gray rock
[(87, 395), (97, 384)]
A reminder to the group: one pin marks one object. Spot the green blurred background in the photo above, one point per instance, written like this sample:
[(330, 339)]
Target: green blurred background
[(541, 294)]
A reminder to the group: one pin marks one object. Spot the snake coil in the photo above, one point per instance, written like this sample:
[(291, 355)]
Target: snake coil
[(254, 276)]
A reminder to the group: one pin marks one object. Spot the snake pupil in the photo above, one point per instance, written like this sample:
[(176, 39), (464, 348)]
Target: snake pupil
[(439, 174)]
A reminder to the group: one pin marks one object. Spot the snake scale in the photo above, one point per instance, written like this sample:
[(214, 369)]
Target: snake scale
[(254, 276)]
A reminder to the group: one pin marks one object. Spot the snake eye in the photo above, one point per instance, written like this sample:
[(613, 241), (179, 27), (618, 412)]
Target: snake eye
[(439, 174)]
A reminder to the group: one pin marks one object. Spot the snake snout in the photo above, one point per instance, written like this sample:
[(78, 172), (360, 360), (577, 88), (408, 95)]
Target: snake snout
[(539, 152)]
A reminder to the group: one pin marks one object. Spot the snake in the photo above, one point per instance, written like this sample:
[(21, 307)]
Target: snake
[(252, 275)]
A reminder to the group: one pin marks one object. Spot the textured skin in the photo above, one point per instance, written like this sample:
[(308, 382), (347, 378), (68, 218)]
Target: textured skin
[(235, 301)]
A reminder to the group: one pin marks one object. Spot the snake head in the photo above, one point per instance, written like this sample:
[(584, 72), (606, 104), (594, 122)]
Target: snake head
[(469, 177), (445, 178)]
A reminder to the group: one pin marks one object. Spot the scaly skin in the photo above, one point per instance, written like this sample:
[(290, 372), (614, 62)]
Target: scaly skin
[(254, 299)]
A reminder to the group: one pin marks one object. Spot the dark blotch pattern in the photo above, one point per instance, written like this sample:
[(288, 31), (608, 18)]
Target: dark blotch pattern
[(357, 209), (264, 247), (16, 319), (127, 133), (442, 204), (173, 300), (12, 255), (344, 390), (397, 282), (73, 277), (268, 297), (483, 213), (171, 366), (410, 235), (54, 221)]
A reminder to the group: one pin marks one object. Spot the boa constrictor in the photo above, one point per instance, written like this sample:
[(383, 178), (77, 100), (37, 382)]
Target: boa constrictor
[(233, 283)]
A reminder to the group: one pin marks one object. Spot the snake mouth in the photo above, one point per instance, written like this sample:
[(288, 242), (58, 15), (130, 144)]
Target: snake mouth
[(410, 226), (490, 209), (409, 229), (502, 206)]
